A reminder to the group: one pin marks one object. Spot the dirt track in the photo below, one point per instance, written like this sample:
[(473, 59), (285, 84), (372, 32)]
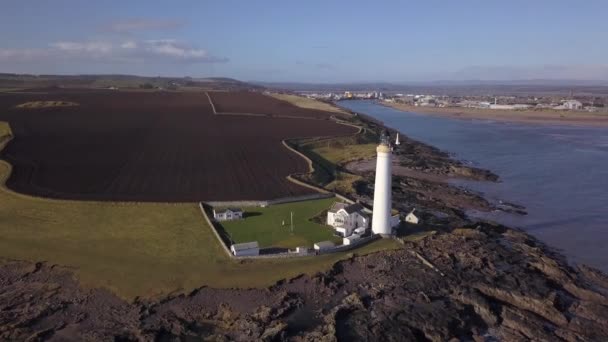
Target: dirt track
[(153, 146)]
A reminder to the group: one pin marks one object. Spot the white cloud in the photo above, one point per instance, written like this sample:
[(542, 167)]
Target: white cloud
[(161, 50), (133, 25), (22, 54), (171, 48), (86, 47), (129, 45)]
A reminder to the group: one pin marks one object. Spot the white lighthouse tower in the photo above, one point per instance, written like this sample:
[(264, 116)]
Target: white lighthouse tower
[(381, 217), (397, 140)]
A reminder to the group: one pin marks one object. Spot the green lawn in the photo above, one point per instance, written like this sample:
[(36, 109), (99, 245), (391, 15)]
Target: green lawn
[(265, 225), (342, 154), (136, 249), (329, 157)]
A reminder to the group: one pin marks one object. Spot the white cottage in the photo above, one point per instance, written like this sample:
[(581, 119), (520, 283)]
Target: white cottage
[(228, 214), (345, 218)]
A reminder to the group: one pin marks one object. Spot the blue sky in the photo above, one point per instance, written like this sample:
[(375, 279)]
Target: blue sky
[(309, 41)]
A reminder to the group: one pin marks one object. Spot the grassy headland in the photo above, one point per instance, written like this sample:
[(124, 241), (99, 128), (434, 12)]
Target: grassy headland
[(135, 249)]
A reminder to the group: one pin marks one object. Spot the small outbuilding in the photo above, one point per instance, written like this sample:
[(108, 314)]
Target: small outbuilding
[(245, 249), (411, 218), (228, 214), (360, 230), (324, 246), (301, 250), (350, 239)]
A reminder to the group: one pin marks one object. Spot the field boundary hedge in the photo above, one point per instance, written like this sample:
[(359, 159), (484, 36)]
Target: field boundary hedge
[(311, 169), (215, 112)]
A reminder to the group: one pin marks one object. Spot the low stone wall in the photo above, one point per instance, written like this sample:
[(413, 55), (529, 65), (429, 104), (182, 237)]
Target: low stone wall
[(211, 103), (225, 204), (342, 248), (355, 244), (214, 229), (238, 204), (283, 255), (300, 198)]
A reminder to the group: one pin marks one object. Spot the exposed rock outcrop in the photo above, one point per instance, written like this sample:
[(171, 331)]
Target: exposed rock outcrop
[(478, 283)]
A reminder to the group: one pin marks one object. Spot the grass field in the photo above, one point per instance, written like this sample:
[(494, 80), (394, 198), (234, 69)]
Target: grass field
[(343, 183), (305, 102), (331, 155), (342, 154), (136, 249), (264, 225)]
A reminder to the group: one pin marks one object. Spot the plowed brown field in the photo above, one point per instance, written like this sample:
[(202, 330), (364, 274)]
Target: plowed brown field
[(155, 146), (257, 103)]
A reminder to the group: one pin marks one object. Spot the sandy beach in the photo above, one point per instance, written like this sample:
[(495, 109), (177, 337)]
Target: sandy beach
[(521, 116)]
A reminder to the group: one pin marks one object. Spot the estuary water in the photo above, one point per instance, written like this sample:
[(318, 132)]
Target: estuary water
[(559, 173)]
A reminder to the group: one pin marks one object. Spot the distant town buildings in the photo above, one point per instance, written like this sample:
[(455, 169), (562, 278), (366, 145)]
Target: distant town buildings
[(573, 105), (425, 101), (510, 106), (490, 101)]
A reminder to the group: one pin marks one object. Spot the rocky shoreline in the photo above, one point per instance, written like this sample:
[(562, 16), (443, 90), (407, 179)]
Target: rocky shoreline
[(421, 181), (481, 283), (454, 279)]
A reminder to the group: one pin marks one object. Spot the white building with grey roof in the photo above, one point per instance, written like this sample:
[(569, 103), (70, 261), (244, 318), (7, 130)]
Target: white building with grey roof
[(345, 218), (245, 249), (228, 214)]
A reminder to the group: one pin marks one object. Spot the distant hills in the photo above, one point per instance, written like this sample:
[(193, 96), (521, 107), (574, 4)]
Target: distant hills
[(21, 81), (534, 87)]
